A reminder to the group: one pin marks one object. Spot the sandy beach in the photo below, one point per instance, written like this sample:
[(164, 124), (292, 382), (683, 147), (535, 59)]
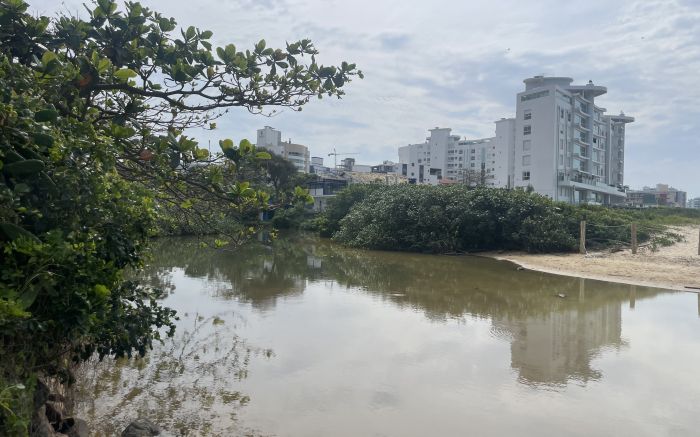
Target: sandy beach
[(675, 267)]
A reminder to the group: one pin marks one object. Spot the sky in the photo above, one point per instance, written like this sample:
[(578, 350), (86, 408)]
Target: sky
[(459, 64)]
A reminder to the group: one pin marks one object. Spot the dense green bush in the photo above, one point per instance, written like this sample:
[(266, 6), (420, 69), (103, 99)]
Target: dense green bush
[(456, 218), (338, 207)]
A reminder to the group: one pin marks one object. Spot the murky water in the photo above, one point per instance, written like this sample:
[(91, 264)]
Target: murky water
[(310, 339)]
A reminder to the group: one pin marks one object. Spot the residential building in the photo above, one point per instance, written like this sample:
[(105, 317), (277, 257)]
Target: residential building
[(566, 147), (694, 203), (386, 167), (317, 166), (446, 158), (560, 144), (297, 154), (660, 195)]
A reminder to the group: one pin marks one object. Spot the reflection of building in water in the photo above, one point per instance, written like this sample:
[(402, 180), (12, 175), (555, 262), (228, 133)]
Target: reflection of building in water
[(557, 347)]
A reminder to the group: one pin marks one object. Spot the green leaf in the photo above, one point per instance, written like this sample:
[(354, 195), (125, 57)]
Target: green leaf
[(47, 57), (28, 297), (46, 115), (24, 168), (206, 34), (226, 144), (263, 155), (201, 153), (125, 74), (101, 290), (12, 232), (187, 204), (245, 146), (190, 32), (42, 139)]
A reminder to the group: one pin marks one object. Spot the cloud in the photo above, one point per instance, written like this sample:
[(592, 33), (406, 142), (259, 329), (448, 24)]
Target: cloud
[(459, 64)]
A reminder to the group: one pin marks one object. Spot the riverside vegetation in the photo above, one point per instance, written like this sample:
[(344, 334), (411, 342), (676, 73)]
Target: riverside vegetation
[(94, 161), (443, 219)]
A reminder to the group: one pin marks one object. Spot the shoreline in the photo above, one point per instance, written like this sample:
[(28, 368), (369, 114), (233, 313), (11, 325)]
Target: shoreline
[(673, 268)]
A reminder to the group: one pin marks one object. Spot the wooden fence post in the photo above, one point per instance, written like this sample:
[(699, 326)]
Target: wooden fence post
[(582, 239), (634, 238)]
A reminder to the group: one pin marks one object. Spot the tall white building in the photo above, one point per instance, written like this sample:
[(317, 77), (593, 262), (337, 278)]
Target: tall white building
[(560, 143), (694, 203), (297, 154), (566, 147)]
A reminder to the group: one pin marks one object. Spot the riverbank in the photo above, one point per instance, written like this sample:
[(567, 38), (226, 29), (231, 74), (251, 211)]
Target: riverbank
[(675, 267)]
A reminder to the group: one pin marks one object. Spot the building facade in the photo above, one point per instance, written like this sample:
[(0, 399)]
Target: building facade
[(566, 147), (297, 154), (560, 144), (694, 203), (661, 195), (445, 158)]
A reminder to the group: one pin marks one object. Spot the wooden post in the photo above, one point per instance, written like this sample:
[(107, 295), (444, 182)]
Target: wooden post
[(633, 296), (581, 290), (582, 239), (634, 238), (698, 241)]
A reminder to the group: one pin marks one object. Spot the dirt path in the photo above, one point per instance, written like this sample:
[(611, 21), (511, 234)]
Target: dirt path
[(674, 267)]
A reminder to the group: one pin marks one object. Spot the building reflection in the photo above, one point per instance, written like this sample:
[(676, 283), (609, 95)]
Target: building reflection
[(558, 347), (553, 340)]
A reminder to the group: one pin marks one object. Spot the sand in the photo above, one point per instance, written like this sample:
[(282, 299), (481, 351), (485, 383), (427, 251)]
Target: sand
[(675, 267)]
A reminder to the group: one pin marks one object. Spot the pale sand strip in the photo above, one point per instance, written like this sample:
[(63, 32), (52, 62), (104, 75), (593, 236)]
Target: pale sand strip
[(673, 267)]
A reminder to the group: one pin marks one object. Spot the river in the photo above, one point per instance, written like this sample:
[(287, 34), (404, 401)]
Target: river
[(306, 338)]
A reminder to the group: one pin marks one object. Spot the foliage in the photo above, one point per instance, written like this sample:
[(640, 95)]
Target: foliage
[(457, 218), (339, 206), (92, 155)]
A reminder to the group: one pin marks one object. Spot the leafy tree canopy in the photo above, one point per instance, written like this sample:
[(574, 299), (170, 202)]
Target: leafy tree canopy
[(92, 151)]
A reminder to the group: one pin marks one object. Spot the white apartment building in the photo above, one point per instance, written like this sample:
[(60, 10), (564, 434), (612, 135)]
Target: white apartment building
[(560, 143), (297, 154), (446, 158), (694, 203), (566, 147)]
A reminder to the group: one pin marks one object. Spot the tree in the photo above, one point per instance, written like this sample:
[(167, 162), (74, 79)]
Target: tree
[(93, 151)]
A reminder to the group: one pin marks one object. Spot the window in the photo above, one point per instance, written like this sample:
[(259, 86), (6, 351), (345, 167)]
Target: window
[(561, 113), (561, 159), (561, 144), (472, 158), (472, 164), (526, 175), (527, 144), (527, 130), (526, 159), (527, 115)]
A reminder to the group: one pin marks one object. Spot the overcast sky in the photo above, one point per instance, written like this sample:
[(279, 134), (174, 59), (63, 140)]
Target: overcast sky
[(459, 64)]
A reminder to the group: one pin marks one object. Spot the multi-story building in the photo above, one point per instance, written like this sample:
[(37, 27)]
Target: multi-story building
[(566, 147), (560, 143), (661, 195), (446, 158), (694, 203), (297, 154)]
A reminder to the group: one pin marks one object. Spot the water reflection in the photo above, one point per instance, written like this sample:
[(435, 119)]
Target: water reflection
[(553, 339), (361, 351)]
